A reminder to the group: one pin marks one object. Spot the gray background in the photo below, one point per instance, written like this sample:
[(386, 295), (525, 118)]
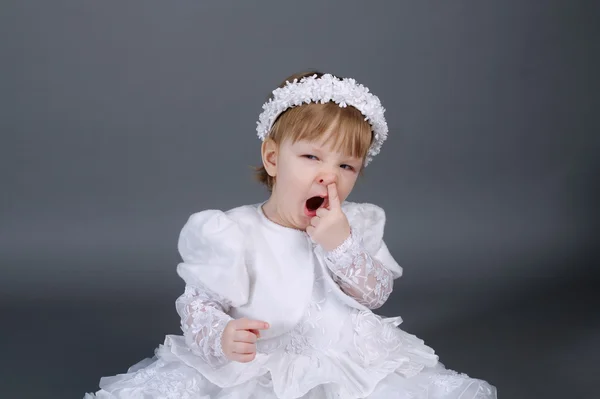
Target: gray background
[(120, 119)]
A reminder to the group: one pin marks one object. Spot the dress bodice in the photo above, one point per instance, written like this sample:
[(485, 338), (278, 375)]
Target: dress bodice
[(321, 325)]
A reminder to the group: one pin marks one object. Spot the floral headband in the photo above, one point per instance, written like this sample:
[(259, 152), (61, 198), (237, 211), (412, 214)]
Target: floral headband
[(312, 89)]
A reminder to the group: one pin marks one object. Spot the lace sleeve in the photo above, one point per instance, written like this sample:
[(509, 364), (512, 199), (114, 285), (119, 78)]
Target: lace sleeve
[(203, 319), (359, 274)]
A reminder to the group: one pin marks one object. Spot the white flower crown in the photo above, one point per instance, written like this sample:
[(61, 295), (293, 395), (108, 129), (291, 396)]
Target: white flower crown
[(327, 88)]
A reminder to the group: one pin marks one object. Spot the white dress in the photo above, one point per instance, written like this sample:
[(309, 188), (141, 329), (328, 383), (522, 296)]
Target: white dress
[(324, 341)]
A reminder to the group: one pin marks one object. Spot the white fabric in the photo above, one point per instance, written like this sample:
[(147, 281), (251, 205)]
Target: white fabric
[(337, 348)]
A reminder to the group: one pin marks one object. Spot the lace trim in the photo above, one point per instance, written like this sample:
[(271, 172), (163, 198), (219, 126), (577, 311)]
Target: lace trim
[(359, 274), (203, 319)]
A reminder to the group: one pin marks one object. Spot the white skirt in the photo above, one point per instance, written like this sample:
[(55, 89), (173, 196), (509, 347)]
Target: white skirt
[(402, 367), (335, 352)]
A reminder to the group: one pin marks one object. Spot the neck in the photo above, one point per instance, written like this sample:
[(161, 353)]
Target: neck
[(274, 213), (271, 210)]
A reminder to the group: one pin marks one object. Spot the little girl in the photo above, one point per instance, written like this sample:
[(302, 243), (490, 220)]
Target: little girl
[(279, 295)]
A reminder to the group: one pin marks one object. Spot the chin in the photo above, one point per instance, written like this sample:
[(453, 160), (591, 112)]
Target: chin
[(303, 224)]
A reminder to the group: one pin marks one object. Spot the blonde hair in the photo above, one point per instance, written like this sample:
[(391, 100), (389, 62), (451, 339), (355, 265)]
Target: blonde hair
[(311, 121)]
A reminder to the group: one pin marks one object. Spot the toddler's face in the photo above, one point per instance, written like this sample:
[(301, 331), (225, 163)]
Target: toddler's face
[(304, 170)]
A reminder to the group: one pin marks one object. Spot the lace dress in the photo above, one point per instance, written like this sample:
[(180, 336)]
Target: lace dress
[(335, 351)]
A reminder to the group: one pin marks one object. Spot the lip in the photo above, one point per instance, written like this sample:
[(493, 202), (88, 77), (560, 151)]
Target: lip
[(309, 214)]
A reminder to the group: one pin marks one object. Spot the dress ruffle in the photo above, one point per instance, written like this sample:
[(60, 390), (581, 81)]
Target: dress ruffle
[(378, 349)]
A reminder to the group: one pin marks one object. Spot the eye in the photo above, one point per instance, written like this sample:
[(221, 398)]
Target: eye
[(308, 156), (347, 167)]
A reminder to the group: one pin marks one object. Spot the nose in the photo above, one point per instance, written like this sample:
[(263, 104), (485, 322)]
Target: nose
[(327, 178)]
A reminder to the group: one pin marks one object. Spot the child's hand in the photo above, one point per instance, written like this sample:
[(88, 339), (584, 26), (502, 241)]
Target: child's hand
[(239, 339), (330, 227)]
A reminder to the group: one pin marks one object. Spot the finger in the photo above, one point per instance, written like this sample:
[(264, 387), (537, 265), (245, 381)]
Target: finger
[(315, 221), (322, 212), (244, 336), (310, 230), (243, 358), (243, 348), (255, 332), (247, 324), (332, 194)]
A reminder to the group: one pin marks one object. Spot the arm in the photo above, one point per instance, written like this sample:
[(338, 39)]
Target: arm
[(203, 319), (359, 274)]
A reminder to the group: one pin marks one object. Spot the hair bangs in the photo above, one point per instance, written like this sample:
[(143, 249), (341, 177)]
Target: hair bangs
[(350, 134), (344, 129)]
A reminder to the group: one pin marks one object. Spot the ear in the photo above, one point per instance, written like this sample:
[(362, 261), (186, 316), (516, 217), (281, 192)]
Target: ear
[(269, 152)]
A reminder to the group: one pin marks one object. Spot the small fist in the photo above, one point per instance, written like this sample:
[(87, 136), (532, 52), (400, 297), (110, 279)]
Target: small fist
[(239, 339), (330, 227)]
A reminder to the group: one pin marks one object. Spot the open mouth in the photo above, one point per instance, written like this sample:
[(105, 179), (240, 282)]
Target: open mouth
[(314, 203)]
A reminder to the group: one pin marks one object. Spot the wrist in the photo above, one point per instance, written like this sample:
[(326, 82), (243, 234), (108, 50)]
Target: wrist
[(338, 252)]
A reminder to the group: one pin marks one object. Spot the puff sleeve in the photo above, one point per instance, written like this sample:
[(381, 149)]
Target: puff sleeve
[(211, 246), (362, 265)]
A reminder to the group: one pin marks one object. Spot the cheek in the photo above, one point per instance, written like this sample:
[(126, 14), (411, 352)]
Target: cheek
[(291, 178), (297, 174), (345, 186)]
